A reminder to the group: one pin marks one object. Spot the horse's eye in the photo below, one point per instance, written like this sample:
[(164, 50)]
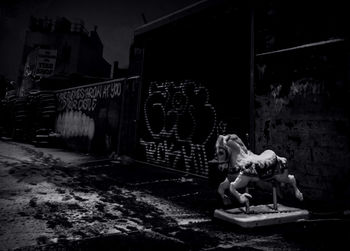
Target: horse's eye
[(221, 153)]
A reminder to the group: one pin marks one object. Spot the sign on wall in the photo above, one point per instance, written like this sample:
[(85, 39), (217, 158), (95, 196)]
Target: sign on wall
[(45, 63)]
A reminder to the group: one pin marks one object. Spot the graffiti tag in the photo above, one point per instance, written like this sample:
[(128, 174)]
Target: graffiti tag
[(192, 156), (180, 122)]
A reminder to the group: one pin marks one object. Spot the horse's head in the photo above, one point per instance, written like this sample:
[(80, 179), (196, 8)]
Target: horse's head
[(228, 148)]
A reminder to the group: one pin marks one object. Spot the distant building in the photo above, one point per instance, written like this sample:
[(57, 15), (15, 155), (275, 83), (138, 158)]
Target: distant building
[(119, 72), (61, 54)]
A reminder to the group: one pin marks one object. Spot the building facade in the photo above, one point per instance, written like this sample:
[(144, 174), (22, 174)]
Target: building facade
[(61, 54)]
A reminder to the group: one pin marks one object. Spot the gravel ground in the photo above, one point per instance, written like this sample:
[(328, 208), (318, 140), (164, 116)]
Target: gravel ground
[(49, 199)]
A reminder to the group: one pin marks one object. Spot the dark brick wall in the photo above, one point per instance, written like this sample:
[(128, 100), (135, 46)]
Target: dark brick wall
[(301, 100)]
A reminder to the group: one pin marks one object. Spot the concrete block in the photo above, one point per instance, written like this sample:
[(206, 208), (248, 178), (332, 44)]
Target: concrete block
[(261, 215)]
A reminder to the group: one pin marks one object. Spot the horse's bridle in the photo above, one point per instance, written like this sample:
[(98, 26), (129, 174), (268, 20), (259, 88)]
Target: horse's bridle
[(227, 161)]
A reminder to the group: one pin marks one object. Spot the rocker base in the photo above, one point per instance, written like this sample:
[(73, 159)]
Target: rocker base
[(261, 215)]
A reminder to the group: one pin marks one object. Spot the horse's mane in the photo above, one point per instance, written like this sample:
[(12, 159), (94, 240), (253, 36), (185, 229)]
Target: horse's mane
[(244, 156), (237, 139)]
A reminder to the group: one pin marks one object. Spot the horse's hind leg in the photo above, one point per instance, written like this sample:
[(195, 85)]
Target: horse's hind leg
[(290, 179)]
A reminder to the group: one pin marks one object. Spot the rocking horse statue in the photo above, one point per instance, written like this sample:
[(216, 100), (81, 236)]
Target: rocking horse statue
[(243, 166)]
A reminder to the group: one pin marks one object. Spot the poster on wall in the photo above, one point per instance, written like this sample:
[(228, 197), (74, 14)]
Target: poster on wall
[(45, 62)]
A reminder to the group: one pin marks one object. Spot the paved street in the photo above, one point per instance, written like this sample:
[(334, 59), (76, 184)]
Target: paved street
[(59, 199)]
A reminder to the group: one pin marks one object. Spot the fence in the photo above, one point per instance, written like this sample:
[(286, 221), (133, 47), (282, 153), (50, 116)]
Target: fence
[(100, 117)]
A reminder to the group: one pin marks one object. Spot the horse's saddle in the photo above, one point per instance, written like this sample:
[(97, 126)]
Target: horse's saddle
[(264, 166)]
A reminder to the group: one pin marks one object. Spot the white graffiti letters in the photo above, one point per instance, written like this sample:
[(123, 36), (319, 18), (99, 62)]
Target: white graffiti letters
[(180, 122), (75, 124), (192, 156), (85, 98)]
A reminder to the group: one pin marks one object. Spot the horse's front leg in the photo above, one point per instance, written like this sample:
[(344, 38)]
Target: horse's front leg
[(221, 191), (240, 182)]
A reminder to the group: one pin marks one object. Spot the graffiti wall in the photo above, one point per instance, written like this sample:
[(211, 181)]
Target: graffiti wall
[(180, 125), (302, 113), (195, 84), (90, 117)]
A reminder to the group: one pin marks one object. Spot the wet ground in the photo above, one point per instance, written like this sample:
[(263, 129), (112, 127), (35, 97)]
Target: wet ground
[(52, 200)]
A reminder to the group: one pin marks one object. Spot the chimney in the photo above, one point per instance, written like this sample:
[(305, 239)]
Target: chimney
[(115, 69)]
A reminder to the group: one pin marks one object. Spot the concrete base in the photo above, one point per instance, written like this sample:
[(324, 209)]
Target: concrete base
[(261, 215)]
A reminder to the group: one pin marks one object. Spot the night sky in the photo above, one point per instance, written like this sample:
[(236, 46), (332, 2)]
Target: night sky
[(116, 21)]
